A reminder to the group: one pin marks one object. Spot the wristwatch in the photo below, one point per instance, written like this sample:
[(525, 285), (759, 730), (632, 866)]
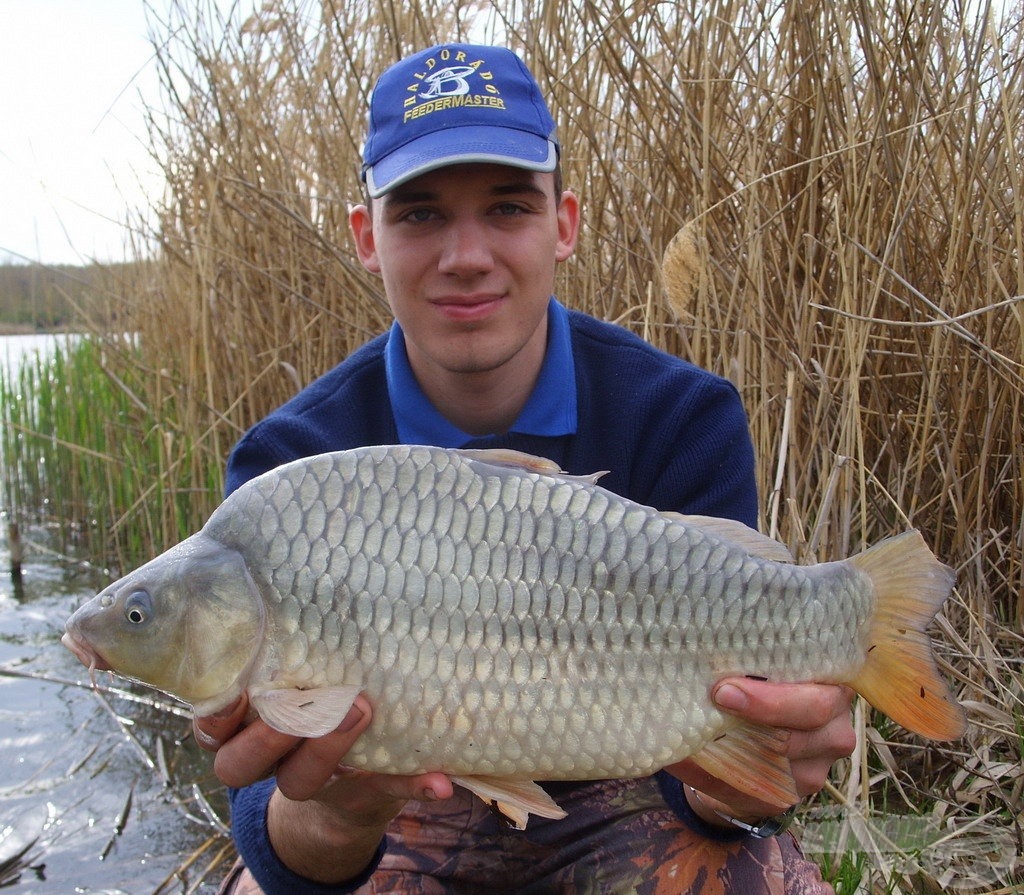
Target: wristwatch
[(764, 828)]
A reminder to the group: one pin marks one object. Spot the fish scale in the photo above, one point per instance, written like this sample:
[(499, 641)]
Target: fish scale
[(509, 622)]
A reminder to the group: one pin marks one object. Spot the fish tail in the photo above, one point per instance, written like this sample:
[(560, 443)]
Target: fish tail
[(900, 676)]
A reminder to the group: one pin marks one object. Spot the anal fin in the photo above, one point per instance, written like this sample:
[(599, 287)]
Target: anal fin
[(751, 758), (515, 799)]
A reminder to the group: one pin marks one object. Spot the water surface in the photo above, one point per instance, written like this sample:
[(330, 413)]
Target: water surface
[(104, 788), (16, 349)]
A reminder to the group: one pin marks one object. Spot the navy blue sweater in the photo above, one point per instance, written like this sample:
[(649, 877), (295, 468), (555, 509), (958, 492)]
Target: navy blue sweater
[(671, 435)]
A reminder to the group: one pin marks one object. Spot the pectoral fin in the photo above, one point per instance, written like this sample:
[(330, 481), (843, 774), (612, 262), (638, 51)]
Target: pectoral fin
[(515, 799), (752, 759), (304, 713)]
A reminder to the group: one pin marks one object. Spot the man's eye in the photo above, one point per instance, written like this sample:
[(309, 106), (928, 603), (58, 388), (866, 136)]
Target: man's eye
[(509, 208), (418, 215)]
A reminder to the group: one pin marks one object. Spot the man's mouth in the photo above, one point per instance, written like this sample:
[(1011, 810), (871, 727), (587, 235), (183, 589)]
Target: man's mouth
[(468, 307)]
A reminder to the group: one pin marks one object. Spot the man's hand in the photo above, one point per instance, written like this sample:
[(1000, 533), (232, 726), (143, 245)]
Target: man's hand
[(818, 717), (325, 821)]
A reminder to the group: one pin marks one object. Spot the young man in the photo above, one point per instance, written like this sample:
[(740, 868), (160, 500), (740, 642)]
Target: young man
[(466, 224)]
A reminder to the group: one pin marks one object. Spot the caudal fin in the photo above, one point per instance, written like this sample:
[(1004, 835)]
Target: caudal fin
[(900, 677)]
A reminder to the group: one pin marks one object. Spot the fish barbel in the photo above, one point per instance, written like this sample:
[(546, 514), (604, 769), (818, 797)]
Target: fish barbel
[(510, 623)]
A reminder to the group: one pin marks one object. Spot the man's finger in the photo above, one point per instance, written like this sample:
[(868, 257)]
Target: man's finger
[(309, 767), (252, 754), (212, 731), (432, 787), (793, 706)]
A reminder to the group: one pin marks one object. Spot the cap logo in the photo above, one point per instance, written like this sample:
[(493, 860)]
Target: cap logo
[(451, 81), (452, 86)]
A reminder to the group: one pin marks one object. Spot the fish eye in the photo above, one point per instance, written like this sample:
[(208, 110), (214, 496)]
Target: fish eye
[(138, 607)]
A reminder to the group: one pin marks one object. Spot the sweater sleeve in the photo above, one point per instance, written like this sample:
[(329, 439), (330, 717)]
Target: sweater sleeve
[(674, 793), (249, 829)]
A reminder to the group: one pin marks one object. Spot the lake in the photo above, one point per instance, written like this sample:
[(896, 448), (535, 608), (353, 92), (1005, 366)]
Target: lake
[(100, 787), (16, 349)]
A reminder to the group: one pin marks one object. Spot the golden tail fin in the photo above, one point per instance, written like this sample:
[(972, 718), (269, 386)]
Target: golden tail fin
[(900, 677)]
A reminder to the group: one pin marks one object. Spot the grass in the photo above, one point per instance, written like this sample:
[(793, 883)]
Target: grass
[(15, 865), (78, 451), (850, 181)]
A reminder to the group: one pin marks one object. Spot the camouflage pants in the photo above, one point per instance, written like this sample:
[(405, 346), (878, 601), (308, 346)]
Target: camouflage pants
[(620, 837)]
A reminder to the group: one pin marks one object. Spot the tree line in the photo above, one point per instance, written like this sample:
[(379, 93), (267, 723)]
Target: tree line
[(53, 298)]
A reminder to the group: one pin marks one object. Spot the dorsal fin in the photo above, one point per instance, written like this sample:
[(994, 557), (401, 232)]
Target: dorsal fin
[(506, 458), (738, 534)]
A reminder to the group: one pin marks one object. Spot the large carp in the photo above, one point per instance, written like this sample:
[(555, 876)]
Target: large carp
[(512, 623)]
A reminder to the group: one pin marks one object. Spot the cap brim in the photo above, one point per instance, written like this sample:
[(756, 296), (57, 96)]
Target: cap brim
[(492, 145)]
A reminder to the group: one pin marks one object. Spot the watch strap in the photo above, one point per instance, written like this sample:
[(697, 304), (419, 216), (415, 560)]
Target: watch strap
[(764, 828)]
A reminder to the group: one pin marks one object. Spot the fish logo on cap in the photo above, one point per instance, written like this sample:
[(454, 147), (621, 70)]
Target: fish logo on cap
[(452, 87), (450, 81)]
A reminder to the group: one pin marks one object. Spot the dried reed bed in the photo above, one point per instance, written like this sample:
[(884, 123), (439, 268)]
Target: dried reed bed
[(851, 183)]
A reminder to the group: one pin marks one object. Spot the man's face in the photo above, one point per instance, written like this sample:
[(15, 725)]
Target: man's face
[(468, 255)]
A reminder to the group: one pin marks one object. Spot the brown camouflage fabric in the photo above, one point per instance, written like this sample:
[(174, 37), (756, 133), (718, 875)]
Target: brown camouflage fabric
[(620, 837)]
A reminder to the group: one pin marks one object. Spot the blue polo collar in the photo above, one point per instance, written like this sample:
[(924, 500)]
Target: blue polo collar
[(550, 409)]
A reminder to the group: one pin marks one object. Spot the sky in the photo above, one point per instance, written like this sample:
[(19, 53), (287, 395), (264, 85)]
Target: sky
[(73, 155), (75, 78)]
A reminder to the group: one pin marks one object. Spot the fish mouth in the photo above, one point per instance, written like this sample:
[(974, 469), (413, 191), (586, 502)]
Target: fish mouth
[(85, 653)]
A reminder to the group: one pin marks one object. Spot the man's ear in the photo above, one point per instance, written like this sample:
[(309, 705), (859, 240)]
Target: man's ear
[(360, 220), (568, 225)]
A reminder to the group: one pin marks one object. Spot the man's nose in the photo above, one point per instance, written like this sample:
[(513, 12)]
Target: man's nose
[(466, 250)]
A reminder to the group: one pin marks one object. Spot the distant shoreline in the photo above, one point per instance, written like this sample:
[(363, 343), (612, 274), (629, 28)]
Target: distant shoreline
[(27, 329)]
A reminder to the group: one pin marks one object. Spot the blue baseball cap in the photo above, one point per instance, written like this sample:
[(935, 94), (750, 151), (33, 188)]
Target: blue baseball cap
[(451, 104)]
